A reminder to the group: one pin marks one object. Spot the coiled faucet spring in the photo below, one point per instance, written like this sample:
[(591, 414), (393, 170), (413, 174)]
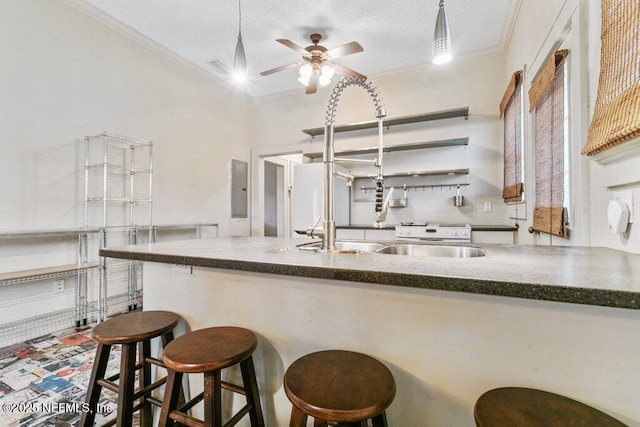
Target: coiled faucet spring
[(352, 81)]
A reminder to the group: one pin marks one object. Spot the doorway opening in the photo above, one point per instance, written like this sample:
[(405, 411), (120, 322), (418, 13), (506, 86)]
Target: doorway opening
[(277, 185)]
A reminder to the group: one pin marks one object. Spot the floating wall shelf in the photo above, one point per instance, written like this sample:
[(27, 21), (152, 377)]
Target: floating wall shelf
[(398, 147), (417, 118), (418, 174)]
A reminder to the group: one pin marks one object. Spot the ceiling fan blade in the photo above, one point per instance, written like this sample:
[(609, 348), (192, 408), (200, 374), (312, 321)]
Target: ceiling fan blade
[(292, 45), (348, 72), (344, 50), (282, 67), (313, 84)]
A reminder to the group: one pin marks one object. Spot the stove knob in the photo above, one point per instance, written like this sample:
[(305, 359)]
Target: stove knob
[(408, 232), (400, 232), (455, 234)]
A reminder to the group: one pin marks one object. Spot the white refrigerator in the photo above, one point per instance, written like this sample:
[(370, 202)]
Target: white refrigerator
[(308, 197)]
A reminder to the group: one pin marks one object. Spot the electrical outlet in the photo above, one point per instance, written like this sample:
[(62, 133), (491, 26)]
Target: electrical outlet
[(58, 285), (487, 206)]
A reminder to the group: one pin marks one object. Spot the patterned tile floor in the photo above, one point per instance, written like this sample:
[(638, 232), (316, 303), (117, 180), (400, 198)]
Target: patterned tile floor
[(43, 381)]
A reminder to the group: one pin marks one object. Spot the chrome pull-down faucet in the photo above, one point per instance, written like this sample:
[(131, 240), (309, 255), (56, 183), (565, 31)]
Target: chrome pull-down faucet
[(329, 226)]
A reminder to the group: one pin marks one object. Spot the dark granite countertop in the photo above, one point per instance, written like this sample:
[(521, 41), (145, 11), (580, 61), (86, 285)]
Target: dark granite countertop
[(581, 275), (490, 227), (365, 227)]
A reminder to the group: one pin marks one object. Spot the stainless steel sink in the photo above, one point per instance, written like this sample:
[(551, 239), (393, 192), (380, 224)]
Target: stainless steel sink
[(346, 247), (400, 249), (432, 250)]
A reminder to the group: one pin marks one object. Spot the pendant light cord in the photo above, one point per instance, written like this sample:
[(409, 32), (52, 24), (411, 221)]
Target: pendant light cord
[(240, 19)]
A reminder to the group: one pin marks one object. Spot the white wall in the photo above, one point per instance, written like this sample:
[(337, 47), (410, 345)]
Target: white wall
[(65, 76), (279, 121)]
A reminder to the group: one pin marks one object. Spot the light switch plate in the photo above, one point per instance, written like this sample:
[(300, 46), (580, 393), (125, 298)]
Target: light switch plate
[(627, 197)]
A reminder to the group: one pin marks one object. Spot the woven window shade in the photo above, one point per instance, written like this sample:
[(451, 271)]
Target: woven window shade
[(549, 215), (616, 117), (511, 110)]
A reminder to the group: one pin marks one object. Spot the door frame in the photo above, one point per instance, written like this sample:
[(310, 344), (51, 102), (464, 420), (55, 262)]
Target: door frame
[(258, 157)]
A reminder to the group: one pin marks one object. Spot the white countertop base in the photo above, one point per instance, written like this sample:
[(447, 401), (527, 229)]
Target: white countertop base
[(444, 348)]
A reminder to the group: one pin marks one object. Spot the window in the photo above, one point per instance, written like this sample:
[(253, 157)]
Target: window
[(511, 110), (547, 98)]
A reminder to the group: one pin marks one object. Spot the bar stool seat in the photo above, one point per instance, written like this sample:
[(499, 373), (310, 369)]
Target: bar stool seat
[(338, 386), (517, 406), (133, 331), (208, 351)]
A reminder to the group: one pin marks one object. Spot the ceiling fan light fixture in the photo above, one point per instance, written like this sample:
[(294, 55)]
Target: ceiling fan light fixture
[(318, 67), (323, 80), (441, 49), (306, 70), (304, 80), (327, 71)]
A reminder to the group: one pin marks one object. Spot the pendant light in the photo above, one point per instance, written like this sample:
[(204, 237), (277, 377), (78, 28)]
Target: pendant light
[(441, 50), (239, 60)]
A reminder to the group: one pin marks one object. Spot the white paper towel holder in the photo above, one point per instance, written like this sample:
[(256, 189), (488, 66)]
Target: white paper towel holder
[(617, 216)]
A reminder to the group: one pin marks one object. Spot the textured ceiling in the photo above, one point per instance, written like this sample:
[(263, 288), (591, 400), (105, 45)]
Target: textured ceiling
[(394, 34)]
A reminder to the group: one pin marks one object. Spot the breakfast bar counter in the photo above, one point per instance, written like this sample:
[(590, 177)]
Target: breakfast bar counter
[(581, 275), (561, 319)]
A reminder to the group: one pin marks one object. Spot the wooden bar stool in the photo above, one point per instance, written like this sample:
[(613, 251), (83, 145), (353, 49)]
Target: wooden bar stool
[(517, 406), (336, 386), (208, 351), (131, 331)]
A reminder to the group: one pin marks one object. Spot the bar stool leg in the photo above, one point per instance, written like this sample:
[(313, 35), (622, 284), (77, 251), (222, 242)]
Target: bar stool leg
[(298, 418), (380, 420), (126, 386), (144, 380), (251, 389), (166, 338), (213, 398), (170, 402), (93, 393)]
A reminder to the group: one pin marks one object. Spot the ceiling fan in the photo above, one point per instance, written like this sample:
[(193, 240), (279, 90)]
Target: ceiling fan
[(318, 66)]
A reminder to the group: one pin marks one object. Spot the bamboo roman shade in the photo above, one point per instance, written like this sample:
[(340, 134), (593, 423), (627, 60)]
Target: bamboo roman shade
[(511, 110), (616, 116), (547, 98)]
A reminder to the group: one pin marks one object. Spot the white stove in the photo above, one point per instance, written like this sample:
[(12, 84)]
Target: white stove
[(434, 232)]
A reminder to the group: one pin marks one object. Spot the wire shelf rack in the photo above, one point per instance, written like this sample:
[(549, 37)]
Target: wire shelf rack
[(25, 329)]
